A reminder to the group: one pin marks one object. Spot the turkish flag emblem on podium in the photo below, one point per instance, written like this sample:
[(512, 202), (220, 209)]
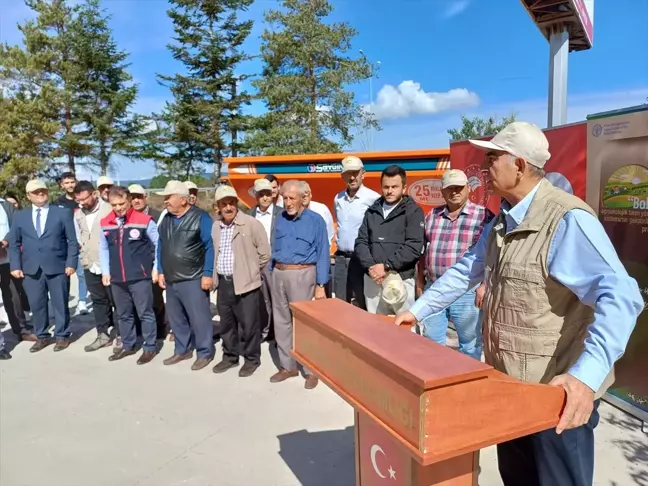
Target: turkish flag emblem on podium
[(382, 460)]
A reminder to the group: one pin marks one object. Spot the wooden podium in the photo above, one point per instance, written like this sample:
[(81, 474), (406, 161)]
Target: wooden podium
[(422, 411)]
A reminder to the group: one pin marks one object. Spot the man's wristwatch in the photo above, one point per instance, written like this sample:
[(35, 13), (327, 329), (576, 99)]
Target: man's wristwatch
[(387, 267), (321, 286)]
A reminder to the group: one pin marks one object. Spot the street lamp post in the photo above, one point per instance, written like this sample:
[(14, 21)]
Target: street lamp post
[(372, 68)]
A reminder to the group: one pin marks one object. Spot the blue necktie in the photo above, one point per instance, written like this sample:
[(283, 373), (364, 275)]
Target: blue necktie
[(39, 230)]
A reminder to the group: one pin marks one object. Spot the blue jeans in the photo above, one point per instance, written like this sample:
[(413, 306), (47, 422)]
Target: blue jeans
[(467, 319), (83, 288)]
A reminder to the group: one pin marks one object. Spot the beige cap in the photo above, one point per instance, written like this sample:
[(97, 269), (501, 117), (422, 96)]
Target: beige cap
[(105, 181), (394, 292), (190, 185), (136, 189), (351, 162), (262, 185), (174, 187), (454, 177), (35, 185), (521, 139), (224, 191)]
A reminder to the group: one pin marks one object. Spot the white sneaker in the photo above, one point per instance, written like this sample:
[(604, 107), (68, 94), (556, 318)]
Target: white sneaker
[(82, 308)]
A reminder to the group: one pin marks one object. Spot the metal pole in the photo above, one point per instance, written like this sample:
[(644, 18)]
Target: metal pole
[(558, 65), (371, 133)]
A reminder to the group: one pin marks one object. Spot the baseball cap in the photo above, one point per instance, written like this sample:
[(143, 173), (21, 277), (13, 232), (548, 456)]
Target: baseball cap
[(394, 292), (136, 189), (454, 177), (262, 185), (35, 185), (105, 181), (224, 191), (521, 139), (351, 162), (190, 185), (174, 187)]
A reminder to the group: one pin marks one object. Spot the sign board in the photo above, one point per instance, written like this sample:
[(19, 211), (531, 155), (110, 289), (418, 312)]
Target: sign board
[(617, 188)]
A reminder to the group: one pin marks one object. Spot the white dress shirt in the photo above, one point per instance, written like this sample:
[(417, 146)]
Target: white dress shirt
[(43, 217), (265, 218), (350, 213), (324, 212)]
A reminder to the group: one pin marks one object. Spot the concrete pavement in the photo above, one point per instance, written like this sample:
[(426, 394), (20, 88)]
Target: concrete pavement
[(75, 419)]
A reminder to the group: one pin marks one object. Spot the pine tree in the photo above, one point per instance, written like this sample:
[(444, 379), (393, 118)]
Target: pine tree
[(306, 71), (196, 128), (47, 68), (479, 127), (107, 92)]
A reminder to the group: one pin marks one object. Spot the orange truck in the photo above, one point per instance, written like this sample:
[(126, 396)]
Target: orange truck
[(322, 172)]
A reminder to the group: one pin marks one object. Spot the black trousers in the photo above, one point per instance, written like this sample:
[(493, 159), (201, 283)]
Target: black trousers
[(160, 312), (240, 323), (102, 303), (348, 281), (548, 459), (12, 298)]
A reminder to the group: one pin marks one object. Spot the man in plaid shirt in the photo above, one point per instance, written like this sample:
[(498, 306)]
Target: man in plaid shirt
[(450, 231)]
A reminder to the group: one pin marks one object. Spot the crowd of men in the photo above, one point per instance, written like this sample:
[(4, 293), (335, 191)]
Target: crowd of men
[(557, 304)]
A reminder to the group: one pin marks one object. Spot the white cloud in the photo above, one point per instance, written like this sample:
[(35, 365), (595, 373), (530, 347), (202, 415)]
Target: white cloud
[(408, 98), (455, 7)]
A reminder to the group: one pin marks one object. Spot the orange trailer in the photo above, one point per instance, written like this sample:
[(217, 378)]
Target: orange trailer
[(322, 172)]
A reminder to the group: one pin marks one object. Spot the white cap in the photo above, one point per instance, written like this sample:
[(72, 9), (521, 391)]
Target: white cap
[(224, 191), (105, 181), (190, 185), (394, 292), (136, 189), (174, 187), (262, 185), (351, 162), (521, 139), (454, 177), (35, 185)]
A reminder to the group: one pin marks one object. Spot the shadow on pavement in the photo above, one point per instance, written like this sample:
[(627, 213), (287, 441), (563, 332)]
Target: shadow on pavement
[(635, 449), (320, 458)]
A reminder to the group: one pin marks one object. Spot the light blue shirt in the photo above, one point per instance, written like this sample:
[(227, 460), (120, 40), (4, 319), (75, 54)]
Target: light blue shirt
[(349, 214), (104, 250), (4, 230), (582, 258), (44, 212)]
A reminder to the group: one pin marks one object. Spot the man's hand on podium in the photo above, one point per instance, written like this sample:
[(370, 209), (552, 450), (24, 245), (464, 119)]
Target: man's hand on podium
[(405, 319), (580, 402)]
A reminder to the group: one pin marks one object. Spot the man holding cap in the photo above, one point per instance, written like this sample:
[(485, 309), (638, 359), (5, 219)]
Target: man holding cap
[(266, 212), (450, 231), (43, 250), (185, 269), (241, 252), (559, 305), (140, 203), (350, 207), (104, 183)]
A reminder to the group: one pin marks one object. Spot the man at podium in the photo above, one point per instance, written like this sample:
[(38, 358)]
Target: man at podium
[(559, 305)]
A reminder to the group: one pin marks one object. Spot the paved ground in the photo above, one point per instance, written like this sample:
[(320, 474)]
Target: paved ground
[(74, 419)]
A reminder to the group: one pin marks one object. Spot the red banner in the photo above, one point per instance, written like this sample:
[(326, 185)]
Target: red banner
[(565, 169)]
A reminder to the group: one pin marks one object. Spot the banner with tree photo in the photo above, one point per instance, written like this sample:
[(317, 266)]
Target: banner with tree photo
[(617, 187)]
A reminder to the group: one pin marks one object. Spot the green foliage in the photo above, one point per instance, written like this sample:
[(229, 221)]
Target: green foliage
[(479, 127), (200, 126), (306, 71), (160, 180)]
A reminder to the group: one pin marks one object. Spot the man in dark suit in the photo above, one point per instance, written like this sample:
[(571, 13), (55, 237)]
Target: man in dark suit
[(43, 250), (266, 212)]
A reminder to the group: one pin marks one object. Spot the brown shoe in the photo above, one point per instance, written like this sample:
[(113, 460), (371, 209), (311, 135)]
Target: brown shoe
[(28, 338), (200, 363), (224, 365), (61, 344), (41, 344), (176, 358), (311, 382), (247, 369), (283, 375), (121, 354), (146, 357)]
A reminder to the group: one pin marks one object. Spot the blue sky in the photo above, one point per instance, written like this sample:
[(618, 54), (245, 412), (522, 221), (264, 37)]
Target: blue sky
[(438, 59)]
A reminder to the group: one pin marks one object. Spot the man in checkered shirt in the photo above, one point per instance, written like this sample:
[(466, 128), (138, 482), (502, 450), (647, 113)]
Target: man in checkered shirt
[(450, 231)]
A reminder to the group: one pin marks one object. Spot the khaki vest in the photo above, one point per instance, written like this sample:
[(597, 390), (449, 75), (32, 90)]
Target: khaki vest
[(89, 237), (534, 327)]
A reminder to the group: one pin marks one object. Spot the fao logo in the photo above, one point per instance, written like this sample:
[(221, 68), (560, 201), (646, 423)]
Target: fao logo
[(312, 168), (597, 130)]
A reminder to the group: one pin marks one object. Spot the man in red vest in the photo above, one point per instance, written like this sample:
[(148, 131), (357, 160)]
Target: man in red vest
[(127, 262)]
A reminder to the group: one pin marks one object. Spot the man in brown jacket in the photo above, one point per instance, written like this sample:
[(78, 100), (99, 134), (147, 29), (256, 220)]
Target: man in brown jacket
[(559, 305), (241, 251)]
